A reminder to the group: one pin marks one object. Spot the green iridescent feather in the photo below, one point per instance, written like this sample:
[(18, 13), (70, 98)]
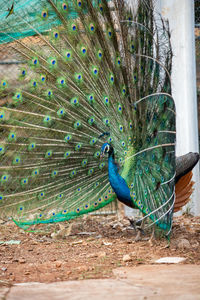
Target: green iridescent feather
[(106, 71)]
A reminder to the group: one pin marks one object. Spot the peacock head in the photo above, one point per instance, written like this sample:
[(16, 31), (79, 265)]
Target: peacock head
[(106, 149)]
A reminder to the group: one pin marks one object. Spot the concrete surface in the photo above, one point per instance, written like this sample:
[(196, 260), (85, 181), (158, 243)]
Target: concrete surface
[(180, 282)]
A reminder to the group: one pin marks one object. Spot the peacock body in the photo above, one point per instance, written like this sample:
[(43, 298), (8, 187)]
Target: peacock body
[(97, 84)]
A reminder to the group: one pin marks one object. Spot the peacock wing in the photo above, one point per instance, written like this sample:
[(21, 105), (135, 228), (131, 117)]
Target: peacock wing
[(149, 166)]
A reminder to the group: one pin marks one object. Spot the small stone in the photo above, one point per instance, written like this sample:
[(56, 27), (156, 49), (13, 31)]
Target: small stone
[(62, 233), (117, 225), (68, 272), (126, 222), (5, 262), (92, 255), (127, 258), (53, 259), (107, 243), (183, 244), (27, 273), (129, 241), (86, 233), (47, 243), (83, 268), (34, 243), (170, 260), (22, 261), (54, 235), (77, 243), (4, 269), (98, 236), (102, 254), (58, 264), (195, 245)]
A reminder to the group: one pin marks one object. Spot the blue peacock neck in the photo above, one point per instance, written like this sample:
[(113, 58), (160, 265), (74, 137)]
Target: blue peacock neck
[(117, 182)]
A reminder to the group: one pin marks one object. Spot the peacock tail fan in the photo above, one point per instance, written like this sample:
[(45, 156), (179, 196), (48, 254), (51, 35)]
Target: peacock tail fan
[(107, 71)]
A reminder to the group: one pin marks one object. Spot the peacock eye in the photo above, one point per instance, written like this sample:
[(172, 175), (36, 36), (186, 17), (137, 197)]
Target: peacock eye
[(107, 148)]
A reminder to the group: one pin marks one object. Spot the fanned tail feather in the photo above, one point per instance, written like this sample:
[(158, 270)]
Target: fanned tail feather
[(184, 189), (107, 71)]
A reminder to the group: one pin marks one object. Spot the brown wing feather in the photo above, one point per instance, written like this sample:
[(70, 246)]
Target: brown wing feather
[(184, 189)]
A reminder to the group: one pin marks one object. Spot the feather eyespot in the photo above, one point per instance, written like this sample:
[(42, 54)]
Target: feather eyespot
[(64, 6), (92, 28), (1, 150), (100, 7), (74, 27), (100, 54), (84, 50), (2, 115), (44, 14)]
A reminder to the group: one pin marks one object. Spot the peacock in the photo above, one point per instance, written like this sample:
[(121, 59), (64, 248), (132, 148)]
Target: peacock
[(90, 117)]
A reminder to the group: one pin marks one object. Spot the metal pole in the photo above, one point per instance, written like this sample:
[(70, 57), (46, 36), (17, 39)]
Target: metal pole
[(180, 14)]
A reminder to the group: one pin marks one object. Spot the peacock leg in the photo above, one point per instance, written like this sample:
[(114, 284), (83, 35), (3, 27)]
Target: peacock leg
[(152, 238), (140, 231)]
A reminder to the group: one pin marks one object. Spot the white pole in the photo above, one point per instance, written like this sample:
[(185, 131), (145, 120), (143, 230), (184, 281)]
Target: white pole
[(180, 14)]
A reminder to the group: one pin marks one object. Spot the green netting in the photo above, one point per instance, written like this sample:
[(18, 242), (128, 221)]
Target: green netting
[(27, 14)]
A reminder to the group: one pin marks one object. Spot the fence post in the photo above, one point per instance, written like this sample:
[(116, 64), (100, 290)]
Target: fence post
[(180, 14)]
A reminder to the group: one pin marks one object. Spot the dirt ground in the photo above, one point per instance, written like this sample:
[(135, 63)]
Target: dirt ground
[(88, 248)]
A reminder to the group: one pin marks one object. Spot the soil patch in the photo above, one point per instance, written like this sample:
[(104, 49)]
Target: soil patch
[(89, 248)]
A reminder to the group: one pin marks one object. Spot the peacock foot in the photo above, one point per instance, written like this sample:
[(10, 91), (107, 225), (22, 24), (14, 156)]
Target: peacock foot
[(152, 238), (138, 236), (138, 227)]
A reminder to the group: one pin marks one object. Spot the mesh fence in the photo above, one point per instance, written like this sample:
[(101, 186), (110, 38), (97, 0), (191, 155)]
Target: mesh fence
[(10, 62)]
